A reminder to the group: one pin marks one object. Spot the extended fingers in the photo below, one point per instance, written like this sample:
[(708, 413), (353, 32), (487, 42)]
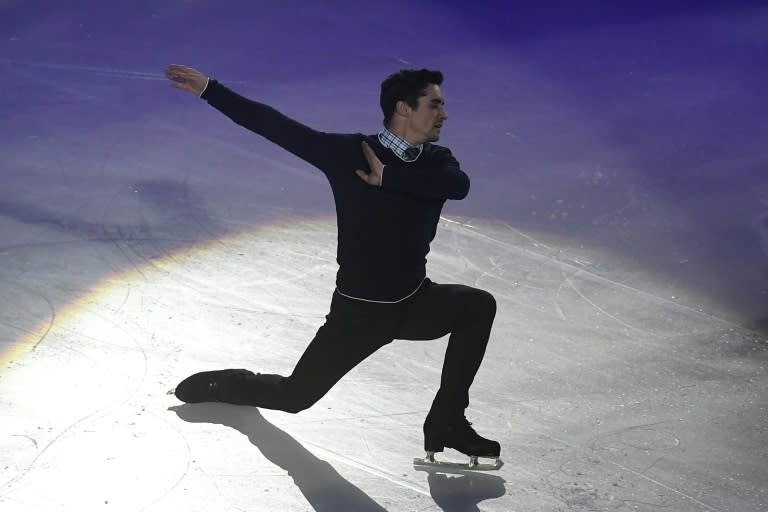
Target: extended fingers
[(177, 75), (368, 152), (178, 68), (370, 156)]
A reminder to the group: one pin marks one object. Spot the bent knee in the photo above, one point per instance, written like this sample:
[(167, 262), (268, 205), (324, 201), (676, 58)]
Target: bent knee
[(482, 301), (297, 404), (296, 408)]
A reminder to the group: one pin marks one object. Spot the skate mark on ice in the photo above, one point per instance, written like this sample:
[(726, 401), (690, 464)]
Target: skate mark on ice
[(356, 418), (362, 466), (8, 486), (51, 321), (135, 268), (49, 327), (315, 478), (415, 376), (638, 474), (580, 269), (122, 73), (482, 271), (598, 308), (27, 437), (667, 487), (556, 300), (133, 340), (364, 437), (448, 220), (187, 464), (497, 275), (125, 298), (644, 438), (648, 439)]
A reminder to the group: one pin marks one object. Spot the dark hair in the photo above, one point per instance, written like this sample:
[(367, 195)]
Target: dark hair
[(406, 85)]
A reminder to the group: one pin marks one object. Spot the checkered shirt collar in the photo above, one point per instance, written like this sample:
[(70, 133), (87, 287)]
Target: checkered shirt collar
[(399, 146)]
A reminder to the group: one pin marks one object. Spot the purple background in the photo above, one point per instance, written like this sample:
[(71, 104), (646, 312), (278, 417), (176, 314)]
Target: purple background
[(640, 129)]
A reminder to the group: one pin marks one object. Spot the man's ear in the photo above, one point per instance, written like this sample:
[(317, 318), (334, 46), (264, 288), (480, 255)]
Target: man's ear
[(402, 108)]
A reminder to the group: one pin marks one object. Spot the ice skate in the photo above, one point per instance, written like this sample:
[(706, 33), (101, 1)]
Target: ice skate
[(461, 437), (214, 386)]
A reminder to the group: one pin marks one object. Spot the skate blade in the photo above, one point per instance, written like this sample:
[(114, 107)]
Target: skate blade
[(429, 463)]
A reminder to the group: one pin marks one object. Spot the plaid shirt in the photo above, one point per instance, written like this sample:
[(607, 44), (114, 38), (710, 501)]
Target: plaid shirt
[(399, 146)]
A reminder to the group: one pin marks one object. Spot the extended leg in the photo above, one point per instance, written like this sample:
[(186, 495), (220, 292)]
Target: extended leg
[(330, 356), (353, 331)]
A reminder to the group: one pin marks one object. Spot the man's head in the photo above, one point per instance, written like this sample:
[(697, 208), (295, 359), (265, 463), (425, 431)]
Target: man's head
[(413, 105)]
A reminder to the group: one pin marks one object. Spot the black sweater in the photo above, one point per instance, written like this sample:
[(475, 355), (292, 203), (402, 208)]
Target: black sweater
[(383, 232)]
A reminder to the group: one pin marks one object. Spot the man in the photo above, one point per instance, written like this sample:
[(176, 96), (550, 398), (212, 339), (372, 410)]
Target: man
[(389, 190)]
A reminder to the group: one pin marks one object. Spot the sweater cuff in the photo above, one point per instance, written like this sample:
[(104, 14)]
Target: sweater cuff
[(207, 81)]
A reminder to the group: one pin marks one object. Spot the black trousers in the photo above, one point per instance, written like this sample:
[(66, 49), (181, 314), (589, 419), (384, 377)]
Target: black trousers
[(356, 329)]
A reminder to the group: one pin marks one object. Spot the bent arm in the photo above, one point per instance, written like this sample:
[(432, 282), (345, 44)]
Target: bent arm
[(442, 179)]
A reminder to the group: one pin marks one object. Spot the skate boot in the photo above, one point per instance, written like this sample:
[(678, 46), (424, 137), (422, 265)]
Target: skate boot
[(460, 436), (226, 386)]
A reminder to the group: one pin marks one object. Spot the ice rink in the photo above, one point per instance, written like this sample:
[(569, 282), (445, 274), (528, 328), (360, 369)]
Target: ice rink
[(618, 212)]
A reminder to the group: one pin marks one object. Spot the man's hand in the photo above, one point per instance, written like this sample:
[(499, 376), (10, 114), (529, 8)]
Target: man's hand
[(186, 78), (377, 168)]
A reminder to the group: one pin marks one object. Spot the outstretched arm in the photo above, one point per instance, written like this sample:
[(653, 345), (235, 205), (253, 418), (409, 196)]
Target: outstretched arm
[(308, 144)]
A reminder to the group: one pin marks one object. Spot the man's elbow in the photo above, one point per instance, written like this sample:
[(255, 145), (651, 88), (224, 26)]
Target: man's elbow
[(461, 188)]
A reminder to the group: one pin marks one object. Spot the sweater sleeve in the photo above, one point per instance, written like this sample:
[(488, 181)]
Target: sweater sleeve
[(308, 144), (440, 177)]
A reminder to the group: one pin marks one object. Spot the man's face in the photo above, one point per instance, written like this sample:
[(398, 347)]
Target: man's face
[(427, 119)]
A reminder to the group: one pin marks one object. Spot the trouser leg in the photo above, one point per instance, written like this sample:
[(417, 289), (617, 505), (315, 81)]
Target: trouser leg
[(353, 330), (467, 314)]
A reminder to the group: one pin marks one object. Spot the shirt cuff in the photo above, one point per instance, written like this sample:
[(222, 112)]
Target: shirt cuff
[(207, 80), (381, 176)]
